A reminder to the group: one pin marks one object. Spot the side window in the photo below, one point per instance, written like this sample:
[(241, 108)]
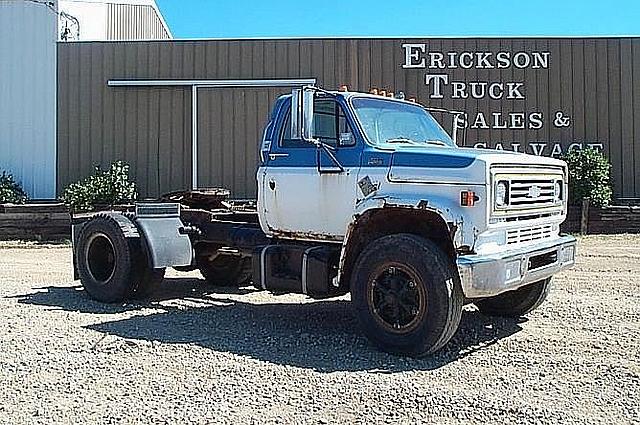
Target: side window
[(330, 126), (285, 136)]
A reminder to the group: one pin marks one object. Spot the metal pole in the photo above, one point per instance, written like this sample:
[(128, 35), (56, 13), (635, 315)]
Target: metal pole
[(289, 82), (194, 137)]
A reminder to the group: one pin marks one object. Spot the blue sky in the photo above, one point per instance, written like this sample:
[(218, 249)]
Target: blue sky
[(299, 18)]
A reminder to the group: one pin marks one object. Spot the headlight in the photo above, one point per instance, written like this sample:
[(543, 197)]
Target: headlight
[(502, 193), (557, 192)]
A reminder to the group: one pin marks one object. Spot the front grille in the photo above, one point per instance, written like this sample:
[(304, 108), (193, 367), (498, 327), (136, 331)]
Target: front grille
[(531, 193), (529, 234)]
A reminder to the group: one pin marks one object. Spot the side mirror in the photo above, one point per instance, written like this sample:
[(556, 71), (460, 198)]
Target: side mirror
[(302, 113), (458, 124)]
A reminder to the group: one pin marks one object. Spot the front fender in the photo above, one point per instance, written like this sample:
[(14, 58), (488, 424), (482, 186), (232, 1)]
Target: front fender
[(445, 208), (444, 205)]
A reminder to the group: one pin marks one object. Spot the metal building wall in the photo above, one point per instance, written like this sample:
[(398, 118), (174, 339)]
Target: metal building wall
[(134, 22), (595, 82), (28, 95)]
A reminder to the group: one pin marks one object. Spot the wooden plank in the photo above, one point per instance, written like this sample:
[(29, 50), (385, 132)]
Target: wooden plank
[(635, 124), (601, 97), (142, 140), (615, 114), (590, 90), (364, 69), (63, 116), (33, 208), (584, 220), (239, 160), (578, 91), (377, 79), (26, 217), (154, 151), (226, 134), (628, 175), (107, 134), (252, 136)]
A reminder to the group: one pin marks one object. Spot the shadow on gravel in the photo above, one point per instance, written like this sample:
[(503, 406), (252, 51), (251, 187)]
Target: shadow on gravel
[(321, 335), (74, 298)]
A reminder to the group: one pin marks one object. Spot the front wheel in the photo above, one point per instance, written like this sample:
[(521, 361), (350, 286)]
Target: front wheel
[(406, 294), (516, 303)]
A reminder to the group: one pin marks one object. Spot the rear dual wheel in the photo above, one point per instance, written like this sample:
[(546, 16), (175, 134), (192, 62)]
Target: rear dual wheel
[(225, 270), (406, 294), (111, 260)]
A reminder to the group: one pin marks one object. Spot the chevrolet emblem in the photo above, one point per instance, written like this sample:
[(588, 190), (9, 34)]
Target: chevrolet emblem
[(534, 192)]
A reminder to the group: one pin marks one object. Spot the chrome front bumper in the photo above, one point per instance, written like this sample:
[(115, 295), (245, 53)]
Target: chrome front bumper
[(492, 274)]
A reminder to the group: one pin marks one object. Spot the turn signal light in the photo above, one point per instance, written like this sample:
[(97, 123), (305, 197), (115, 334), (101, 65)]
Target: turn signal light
[(468, 198)]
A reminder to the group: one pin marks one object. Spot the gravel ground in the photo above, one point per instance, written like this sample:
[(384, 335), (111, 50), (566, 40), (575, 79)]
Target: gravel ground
[(242, 356)]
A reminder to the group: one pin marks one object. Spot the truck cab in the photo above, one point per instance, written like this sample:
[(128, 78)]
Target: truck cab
[(363, 194), (371, 155)]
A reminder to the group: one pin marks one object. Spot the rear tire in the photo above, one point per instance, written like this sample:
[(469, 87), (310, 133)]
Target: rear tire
[(105, 259), (226, 270), (516, 303), (406, 294)]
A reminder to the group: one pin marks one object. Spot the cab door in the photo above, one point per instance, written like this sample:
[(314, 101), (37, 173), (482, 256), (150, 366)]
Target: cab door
[(304, 193)]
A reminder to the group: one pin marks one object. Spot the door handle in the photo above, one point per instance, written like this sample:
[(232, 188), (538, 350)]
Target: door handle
[(274, 156)]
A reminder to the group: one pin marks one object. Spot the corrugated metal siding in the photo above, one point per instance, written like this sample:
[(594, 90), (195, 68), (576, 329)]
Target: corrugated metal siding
[(594, 81), (134, 22), (28, 95)]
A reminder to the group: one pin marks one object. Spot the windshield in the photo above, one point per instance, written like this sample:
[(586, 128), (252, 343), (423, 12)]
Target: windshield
[(387, 121)]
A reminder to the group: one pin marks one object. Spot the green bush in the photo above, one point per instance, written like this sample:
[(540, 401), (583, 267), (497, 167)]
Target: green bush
[(10, 190), (103, 188), (589, 177)]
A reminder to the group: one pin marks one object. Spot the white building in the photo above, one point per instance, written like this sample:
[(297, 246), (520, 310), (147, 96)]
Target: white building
[(29, 30), (95, 20), (28, 34)]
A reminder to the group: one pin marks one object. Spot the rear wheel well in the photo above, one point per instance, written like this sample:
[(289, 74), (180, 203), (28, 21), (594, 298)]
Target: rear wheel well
[(377, 223)]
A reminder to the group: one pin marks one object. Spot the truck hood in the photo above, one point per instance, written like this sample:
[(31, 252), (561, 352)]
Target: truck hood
[(432, 164)]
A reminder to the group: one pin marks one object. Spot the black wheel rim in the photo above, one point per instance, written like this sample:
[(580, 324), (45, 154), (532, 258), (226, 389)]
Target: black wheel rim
[(100, 258), (397, 299)]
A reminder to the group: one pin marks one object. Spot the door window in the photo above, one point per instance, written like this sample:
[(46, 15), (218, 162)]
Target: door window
[(330, 126)]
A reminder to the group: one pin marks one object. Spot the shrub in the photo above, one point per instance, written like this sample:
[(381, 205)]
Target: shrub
[(589, 176), (10, 190), (102, 188)]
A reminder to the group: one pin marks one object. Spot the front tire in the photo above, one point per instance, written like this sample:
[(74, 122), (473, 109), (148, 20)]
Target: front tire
[(516, 303), (406, 294)]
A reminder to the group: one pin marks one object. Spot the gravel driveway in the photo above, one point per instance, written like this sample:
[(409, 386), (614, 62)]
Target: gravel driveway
[(242, 356)]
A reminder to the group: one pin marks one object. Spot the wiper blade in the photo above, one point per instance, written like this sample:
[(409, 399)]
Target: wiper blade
[(435, 142), (400, 140)]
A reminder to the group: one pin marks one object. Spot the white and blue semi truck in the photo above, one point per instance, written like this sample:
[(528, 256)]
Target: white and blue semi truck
[(358, 194)]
